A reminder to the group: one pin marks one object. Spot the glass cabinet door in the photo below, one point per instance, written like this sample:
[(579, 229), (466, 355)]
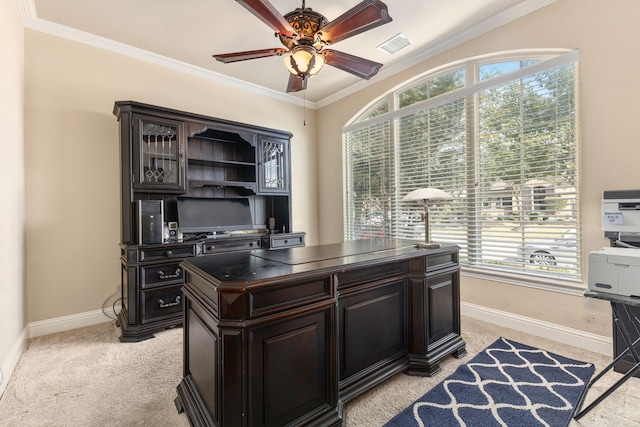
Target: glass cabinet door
[(273, 165), (158, 154)]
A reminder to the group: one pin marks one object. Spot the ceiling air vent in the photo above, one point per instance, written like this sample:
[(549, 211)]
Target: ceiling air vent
[(395, 43)]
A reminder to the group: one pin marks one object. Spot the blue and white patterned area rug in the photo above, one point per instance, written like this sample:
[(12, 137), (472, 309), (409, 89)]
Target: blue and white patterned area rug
[(507, 384)]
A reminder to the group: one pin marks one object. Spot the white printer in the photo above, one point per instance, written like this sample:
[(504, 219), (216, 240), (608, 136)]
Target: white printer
[(616, 269), (621, 216)]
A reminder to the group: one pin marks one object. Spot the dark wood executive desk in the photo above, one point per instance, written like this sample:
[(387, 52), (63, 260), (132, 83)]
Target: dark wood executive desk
[(275, 338)]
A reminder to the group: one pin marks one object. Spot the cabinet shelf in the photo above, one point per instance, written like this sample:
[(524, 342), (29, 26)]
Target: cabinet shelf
[(203, 162), (252, 186), (215, 152)]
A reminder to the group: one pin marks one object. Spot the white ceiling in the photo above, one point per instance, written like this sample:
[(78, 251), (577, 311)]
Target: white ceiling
[(185, 33)]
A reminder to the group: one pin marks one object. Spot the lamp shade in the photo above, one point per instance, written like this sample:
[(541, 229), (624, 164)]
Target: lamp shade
[(304, 61), (427, 194)]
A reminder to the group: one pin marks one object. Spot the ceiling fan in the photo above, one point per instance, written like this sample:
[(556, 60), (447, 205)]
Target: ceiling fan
[(306, 34)]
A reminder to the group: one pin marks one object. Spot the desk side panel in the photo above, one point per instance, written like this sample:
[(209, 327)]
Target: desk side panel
[(292, 367), (373, 335)]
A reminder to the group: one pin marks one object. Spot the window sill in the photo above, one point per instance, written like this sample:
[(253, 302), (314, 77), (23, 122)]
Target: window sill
[(554, 285)]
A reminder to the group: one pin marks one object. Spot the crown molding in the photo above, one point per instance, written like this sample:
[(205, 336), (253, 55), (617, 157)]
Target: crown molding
[(31, 21), (27, 11)]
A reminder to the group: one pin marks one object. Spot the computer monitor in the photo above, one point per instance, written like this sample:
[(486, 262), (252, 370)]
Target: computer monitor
[(204, 215)]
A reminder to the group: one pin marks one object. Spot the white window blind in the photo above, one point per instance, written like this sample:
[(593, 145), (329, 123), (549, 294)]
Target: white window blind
[(505, 147), (369, 166)]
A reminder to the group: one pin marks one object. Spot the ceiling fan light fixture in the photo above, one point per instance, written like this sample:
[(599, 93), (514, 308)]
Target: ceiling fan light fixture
[(317, 66), (304, 61), (306, 34)]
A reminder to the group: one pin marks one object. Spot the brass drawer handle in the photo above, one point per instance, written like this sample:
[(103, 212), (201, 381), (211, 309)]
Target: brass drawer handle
[(163, 276), (169, 304)]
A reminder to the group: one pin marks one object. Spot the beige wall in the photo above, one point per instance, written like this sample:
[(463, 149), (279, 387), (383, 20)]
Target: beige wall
[(72, 153), (12, 299), (606, 33), (72, 162)]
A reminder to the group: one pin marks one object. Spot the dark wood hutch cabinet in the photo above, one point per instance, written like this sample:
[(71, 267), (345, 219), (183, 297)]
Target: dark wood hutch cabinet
[(167, 153)]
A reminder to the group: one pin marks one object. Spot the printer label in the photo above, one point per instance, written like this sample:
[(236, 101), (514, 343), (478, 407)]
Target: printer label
[(613, 218)]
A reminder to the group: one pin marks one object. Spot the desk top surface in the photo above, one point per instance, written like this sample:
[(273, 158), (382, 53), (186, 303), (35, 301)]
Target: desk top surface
[(261, 264)]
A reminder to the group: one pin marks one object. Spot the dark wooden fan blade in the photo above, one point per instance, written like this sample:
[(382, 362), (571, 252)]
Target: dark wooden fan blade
[(269, 15), (351, 64), (296, 83), (249, 54), (362, 17)]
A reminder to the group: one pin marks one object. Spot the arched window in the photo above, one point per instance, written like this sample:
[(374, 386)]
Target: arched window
[(499, 133)]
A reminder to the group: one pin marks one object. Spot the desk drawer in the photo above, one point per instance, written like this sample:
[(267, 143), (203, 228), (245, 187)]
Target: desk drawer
[(274, 299), (440, 261), (163, 274), (162, 302), (287, 242), (357, 276), (156, 253), (213, 247), (281, 241)]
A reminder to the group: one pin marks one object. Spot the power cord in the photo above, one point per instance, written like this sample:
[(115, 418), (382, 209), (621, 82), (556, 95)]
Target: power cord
[(113, 306)]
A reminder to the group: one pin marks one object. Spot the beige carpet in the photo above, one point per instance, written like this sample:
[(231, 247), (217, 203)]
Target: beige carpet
[(86, 377)]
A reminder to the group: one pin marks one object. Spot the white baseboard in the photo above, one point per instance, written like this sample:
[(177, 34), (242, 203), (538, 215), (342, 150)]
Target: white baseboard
[(574, 337), (10, 363), (66, 323)]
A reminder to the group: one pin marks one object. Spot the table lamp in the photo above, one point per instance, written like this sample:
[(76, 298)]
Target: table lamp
[(427, 194)]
